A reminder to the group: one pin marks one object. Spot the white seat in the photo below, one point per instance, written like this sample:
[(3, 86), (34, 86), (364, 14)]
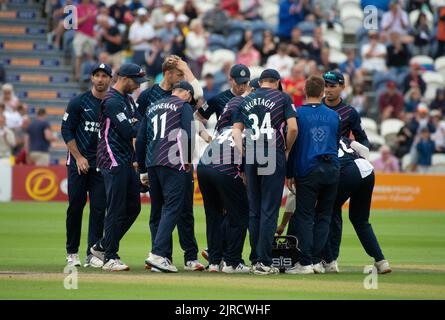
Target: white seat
[(437, 3), (422, 60), (373, 156), (306, 39), (390, 126), (369, 125), (438, 159), (336, 56), (376, 139), (334, 43), (351, 19), (414, 15), (255, 71), (406, 161), (439, 65), (341, 3), (223, 56), (434, 81)]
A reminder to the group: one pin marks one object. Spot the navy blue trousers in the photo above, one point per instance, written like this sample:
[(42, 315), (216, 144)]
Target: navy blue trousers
[(265, 193), (185, 225), (79, 186), (315, 199), (359, 191), (168, 192), (123, 206), (225, 233)]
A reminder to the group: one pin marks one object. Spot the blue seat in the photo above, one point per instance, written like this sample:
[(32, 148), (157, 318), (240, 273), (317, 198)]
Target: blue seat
[(216, 41), (307, 28)]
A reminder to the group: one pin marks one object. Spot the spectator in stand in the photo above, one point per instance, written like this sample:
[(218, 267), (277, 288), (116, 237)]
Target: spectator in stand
[(297, 48), (269, 46), (155, 58), (294, 85), (21, 132), (7, 140), (386, 163), (190, 10), (38, 139), (325, 64), (439, 136), (251, 9), (140, 35), (8, 97), (169, 32), (317, 44), (405, 137), (118, 11), (398, 54), (352, 66), (414, 79), (215, 20), (357, 99), (396, 19), (422, 36), (210, 89), (412, 99), (439, 101), (391, 102), (440, 32), (84, 42), (291, 13), (111, 40), (281, 61), (158, 14), (14, 119), (134, 6), (373, 54), (196, 45), (248, 54), (232, 8), (425, 149)]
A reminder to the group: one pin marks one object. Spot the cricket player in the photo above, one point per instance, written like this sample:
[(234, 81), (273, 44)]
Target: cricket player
[(222, 188), (164, 152), (115, 156), (80, 128), (265, 113), (175, 70), (356, 184), (313, 171)]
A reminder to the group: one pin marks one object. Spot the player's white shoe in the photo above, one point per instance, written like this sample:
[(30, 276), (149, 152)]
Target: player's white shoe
[(94, 262), (262, 269), (214, 268), (194, 266), (161, 263), (73, 260), (241, 268), (98, 252), (383, 267), (331, 267), (115, 265), (318, 268), (299, 269)]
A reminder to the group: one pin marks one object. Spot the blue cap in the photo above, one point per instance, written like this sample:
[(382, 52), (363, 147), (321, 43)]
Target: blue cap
[(255, 83), (132, 71), (334, 77), (186, 86), (102, 67), (270, 74), (240, 73)]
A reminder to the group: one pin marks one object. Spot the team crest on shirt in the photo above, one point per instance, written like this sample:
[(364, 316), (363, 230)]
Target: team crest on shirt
[(65, 116), (205, 106), (121, 117)]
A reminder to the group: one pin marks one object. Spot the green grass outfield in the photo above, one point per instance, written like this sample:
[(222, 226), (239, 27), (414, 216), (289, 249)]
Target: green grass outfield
[(32, 259)]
